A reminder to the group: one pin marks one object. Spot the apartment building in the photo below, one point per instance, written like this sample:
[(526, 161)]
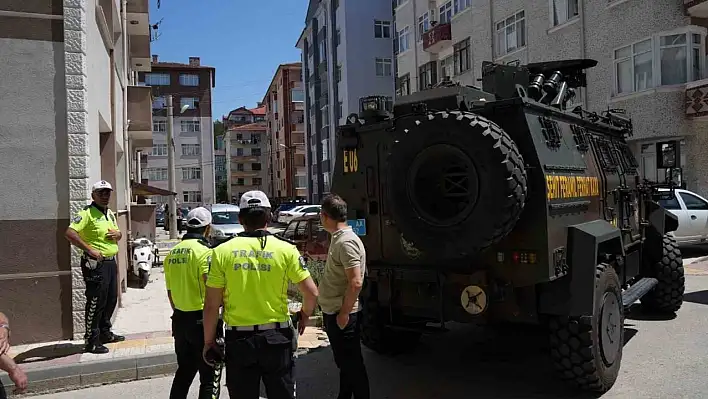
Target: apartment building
[(190, 86), (243, 116), (286, 177), (651, 59), (347, 54), (68, 93), (247, 159)]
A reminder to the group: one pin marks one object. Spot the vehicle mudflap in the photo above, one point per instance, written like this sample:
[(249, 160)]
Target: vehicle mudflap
[(661, 222), (585, 242)]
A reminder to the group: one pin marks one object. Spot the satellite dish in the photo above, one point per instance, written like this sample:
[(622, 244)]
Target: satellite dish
[(184, 108)]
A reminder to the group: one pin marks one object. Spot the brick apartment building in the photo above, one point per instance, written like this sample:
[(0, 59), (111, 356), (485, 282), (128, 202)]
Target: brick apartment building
[(237, 117), (246, 163), (190, 86), (286, 176), (651, 59)]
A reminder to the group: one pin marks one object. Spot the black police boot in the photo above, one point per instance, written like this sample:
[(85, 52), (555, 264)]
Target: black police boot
[(98, 349), (109, 338)]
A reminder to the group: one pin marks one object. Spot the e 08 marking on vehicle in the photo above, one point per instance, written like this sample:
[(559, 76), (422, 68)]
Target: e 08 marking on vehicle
[(565, 186)]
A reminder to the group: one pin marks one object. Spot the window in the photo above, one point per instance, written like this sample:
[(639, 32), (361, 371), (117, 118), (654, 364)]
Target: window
[(462, 56), (159, 150), (255, 138), (156, 174), (239, 152), (159, 102), (447, 67), (257, 181), (338, 74), (255, 166), (220, 163), (339, 110), (191, 150), (670, 204), (404, 39), (403, 84), (192, 173), (462, 5), (240, 167), (159, 126), (323, 50), (297, 95), (256, 152), (325, 115), (188, 79), (338, 37), (382, 29), (563, 10), (693, 203), (511, 34), (300, 182), (446, 12), (427, 75), (325, 149), (190, 102), (189, 126), (157, 79), (423, 25), (383, 67), (192, 196), (679, 58)]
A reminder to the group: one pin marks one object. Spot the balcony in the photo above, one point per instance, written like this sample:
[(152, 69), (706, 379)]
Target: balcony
[(696, 8), (697, 100), (139, 34), (140, 115), (235, 174), (245, 158), (437, 38)]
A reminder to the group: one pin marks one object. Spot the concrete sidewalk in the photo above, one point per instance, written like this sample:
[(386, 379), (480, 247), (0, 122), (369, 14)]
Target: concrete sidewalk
[(62, 365)]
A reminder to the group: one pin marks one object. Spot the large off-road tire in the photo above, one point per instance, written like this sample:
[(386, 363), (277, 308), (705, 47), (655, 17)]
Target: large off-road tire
[(588, 354), (377, 337), (457, 182), (667, 295)]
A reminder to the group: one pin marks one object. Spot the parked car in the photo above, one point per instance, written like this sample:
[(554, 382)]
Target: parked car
[(159, 219), (692, 212), (286, 206), (286, 216), (311, 239), (225, 223)]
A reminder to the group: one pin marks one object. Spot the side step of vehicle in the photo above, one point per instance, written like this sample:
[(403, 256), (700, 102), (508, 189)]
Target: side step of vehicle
[(422, 330), (637, 290)]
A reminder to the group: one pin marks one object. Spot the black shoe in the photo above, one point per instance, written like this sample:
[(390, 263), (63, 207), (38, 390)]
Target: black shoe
[(110, 338), (96, 349)]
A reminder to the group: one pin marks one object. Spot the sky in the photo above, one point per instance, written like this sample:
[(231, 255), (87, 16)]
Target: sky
[(244, 40)]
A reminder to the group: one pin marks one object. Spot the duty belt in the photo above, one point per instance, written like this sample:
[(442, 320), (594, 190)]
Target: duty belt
[(260, 327), (104, 258)]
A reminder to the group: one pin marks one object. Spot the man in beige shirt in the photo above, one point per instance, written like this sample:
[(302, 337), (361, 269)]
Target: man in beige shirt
[(339, 298)]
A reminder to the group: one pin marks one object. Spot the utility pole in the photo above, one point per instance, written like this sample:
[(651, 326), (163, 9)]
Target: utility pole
[(171, 168)]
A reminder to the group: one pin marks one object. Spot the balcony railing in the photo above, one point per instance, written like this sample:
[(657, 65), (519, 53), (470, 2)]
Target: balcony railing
[(437, 38), (696, 8), (697, 100)]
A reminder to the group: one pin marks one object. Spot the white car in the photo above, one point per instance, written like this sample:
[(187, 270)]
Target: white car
[(285, 217), (692, 212)]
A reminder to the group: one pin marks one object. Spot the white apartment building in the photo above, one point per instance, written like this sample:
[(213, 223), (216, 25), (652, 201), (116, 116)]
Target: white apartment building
[(651, 59), (347, 53), (193, 130)]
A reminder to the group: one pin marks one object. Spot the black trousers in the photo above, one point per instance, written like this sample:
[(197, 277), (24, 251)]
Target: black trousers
[(346, 347), (101, 298), (188, 331), (266, 355)]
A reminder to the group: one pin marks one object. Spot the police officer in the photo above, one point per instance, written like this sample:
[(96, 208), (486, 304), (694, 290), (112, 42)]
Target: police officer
[(186, 268), (249, 274), (95, 231)]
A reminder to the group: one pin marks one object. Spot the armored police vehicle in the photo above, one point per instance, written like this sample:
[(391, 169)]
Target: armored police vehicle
[(508, 204)]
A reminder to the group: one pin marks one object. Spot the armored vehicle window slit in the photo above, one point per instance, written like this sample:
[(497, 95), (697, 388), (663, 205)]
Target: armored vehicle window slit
[(580, 137), (551, 131)]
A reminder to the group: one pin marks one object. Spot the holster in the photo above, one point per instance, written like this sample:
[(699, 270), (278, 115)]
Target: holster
[(295, 321)]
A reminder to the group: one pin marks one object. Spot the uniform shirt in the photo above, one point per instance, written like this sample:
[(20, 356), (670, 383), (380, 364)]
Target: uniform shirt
[(345, 251), (254, 273), (93, 224), (185, 266)]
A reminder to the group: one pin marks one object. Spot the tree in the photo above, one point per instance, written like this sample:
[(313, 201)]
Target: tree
[(219, 131), (222, 193)]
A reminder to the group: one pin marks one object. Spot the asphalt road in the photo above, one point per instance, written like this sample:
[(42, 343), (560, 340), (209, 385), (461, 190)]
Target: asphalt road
[(662, 359)]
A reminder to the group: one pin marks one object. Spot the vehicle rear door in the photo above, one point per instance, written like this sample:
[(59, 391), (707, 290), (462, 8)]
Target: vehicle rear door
[(697, 214)]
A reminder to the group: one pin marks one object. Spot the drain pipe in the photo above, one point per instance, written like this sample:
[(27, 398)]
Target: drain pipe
[(127, 151), (583, 50)]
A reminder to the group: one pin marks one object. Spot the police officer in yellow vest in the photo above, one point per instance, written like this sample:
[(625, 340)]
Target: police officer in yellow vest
[(250, 274), (186, 269), (95, 231)]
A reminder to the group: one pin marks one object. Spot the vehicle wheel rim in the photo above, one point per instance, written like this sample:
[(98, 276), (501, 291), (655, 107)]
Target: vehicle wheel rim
[(610, 328), (443, 185)]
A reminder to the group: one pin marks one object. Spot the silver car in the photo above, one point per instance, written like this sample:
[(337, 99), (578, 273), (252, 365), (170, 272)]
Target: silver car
[(225, 222)]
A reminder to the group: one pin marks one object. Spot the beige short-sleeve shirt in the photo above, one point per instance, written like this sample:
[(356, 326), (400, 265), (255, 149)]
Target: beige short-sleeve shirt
[(345, 251)]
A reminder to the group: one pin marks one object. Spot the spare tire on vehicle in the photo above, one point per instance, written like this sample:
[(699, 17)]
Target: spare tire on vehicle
[(457, 182)]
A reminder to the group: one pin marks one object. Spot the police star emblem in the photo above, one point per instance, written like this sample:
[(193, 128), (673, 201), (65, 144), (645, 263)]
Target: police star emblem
[(303, 263), (76, 219)]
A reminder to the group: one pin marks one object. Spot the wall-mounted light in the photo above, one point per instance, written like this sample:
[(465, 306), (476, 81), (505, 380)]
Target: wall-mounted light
[(138, 65), (134, 22)]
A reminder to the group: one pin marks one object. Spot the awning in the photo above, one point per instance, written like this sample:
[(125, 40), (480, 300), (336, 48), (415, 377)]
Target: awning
[(144, 189)]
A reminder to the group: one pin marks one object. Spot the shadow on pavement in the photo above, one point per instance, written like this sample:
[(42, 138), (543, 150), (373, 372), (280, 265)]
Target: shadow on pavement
[(49, 352), (636, 312), (464, 363), (700, 297), (694, 251)]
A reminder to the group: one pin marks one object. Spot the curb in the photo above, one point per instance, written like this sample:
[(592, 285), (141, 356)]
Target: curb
[(51, 379)]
